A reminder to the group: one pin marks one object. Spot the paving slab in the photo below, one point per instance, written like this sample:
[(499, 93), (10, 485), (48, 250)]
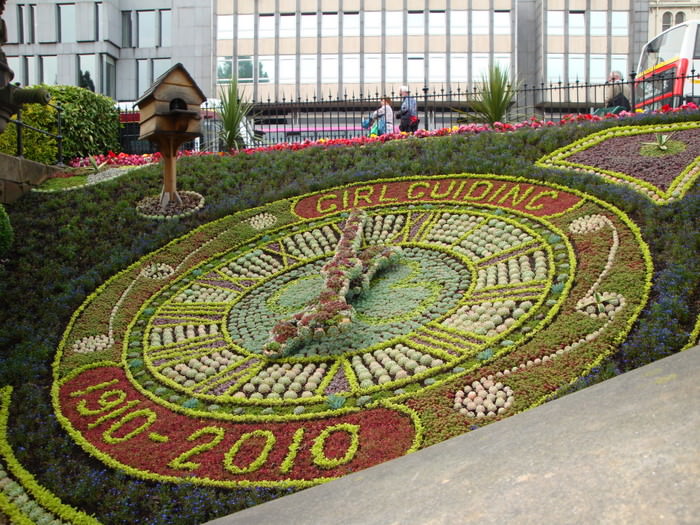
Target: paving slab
[(624, 451)]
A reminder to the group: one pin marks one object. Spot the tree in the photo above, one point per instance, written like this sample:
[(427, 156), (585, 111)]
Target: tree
[(85, 81), (495, 99)]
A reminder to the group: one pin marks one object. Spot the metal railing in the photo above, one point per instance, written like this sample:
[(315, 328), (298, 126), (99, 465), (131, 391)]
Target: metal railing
[(21, 125), (317, 118)]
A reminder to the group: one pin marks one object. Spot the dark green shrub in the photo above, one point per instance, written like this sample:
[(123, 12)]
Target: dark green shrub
[(90, 125), (37, 146), (6, 233)]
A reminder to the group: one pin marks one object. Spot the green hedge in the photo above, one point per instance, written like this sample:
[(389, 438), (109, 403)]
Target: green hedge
[(90, 125), (6, 234)]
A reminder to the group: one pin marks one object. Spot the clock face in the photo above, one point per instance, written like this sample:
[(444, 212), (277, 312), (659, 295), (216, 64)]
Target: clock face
[(496, 280), (467, 279)]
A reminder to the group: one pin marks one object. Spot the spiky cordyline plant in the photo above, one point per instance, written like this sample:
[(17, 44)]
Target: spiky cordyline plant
[(233, 113), (496, 96)]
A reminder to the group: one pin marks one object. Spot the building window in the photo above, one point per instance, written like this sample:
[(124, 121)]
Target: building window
[(599, 23), (87, 71), (577, 67), (288, 69), (437, 67), (143, 77), (308, 71), (503, 60), (394, 68), (458, 23), (596, 69), (351, 24), (555, 23), (16, 65), (266, 25), (266, 69), (246, 27), (127, 30), (501, 23), (109, 76), (619, 63), (577, 23), (224, 69), (66, 23), (98, 20), (620, 23), (555, 67), (309, 25), (329, 24), (373, 23), (480, 22), (49, 69), (31, 71), (415, 23), (146, 28), (394, 23), (480, 66), (245, 69), (160, 66), (680, 17), (437, 23), (373, 67), (666, 21), (351, 68), (329, 69), (458, 67), (165, 25), (25, 24), (288, 25), (415, 69), (224, 27)]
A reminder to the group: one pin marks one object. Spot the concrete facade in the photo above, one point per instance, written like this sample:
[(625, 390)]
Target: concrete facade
[(667, 13), (123, 44)]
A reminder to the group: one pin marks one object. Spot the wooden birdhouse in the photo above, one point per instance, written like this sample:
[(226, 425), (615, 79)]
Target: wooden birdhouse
[(170, 116)]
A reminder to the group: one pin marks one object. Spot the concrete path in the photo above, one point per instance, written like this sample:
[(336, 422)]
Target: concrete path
[(623, 451)]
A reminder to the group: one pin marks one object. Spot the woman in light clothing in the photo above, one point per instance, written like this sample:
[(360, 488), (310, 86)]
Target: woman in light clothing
[(384, 115)]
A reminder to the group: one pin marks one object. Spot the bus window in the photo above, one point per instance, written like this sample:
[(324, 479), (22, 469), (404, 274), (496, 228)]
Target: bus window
[(696, 51), (665, 47)]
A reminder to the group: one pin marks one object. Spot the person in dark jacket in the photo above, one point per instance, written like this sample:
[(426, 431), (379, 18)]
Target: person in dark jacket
[(408, 114)]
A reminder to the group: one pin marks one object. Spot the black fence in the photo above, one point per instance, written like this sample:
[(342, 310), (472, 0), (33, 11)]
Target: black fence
[(21, 126), (312, 119)]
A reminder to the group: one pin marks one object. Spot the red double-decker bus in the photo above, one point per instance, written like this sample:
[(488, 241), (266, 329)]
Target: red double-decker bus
[(669, 68)]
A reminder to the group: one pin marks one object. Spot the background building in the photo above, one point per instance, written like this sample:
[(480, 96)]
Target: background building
[(307, 48), (667, 13), (301, 49), (116, 47)]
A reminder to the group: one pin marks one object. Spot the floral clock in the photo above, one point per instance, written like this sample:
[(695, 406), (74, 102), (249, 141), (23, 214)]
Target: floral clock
[(492, 293)]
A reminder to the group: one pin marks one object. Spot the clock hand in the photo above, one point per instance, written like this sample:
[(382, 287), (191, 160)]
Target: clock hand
[(347, 275)]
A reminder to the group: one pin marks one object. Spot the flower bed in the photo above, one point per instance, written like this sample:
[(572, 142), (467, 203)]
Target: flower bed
[(628, 155), (488, 310)]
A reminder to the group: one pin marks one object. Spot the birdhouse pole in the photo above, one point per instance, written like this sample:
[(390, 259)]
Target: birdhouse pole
[(169, 117)]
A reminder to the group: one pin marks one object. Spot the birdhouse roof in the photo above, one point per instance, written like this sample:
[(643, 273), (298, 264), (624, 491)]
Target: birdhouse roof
[(177, 76)]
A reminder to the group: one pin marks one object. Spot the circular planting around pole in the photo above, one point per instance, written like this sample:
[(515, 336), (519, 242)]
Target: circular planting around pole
[(400, 313)]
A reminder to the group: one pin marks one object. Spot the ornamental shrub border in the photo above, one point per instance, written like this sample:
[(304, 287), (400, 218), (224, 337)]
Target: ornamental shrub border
[(680, 186)]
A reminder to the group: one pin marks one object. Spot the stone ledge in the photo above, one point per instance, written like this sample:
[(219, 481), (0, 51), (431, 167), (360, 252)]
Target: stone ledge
[(623, 451)]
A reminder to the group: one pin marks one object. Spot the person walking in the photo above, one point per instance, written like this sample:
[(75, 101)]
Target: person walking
[(383, 118), (408, 114)]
